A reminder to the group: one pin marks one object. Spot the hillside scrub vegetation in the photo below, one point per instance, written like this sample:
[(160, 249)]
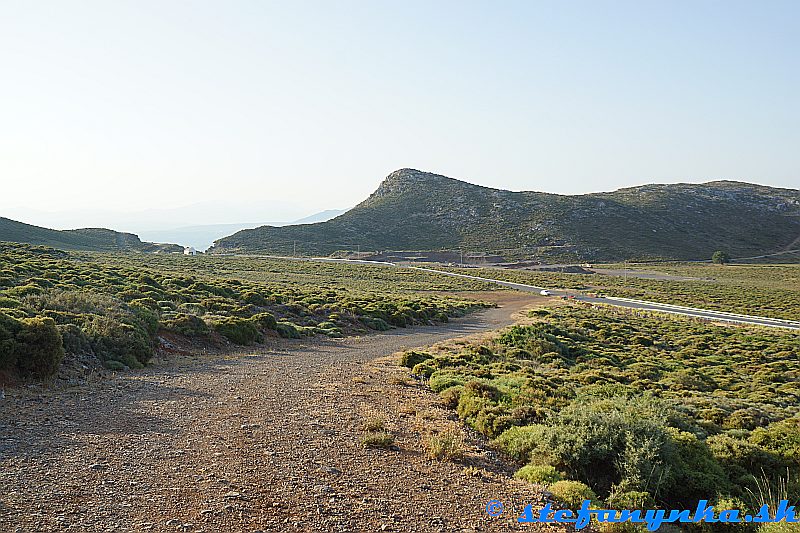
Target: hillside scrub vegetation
[(52, 303), (635, 406), (297, 273), (415, 210)]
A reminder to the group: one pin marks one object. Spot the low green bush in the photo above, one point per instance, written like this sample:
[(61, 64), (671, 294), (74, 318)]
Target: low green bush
[(288, 330), (440, 381), (39, 347), (451, 395), (572, 493), (380, 439), (265, 321), (74, 339), (237, 330), (544, 474), (30, 347), (781, 437), (520, 441), (116, 366), (412, 358), (111, 338), (9, 303), (9, 327), (186, 324), (423, 369)]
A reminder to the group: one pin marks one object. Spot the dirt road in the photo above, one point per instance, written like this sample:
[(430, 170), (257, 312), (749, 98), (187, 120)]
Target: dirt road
[(265, 441)]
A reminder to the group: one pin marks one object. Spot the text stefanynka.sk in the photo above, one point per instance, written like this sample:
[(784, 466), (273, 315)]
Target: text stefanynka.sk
[(652, 518)]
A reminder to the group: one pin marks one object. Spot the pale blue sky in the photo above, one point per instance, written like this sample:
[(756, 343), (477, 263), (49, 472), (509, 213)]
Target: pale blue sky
[(279, 109)]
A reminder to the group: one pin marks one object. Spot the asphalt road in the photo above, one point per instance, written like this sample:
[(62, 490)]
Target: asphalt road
[(644, 305), (640, 304)]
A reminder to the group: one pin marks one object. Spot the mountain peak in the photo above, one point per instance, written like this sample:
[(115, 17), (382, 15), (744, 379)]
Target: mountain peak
[(408, 179), (400, 181)]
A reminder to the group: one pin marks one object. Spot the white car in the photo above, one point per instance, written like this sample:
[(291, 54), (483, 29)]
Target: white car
[(545, 292)]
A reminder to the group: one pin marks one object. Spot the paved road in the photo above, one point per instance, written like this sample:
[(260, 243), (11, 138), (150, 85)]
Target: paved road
[(641, 304), (608, 300)]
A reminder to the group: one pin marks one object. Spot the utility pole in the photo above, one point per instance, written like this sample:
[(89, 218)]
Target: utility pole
[(462, 257), (625, 273), (294, 249)]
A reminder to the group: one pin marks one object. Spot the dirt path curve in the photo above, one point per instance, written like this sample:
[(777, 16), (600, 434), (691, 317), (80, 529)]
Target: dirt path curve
[(261, 442)]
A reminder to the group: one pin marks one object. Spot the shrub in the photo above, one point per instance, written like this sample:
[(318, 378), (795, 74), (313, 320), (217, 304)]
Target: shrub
[(24, 290), (380, 439), (116, 366), (452, 395), (288, 330), (572, 493), (412, 358), (520, 441), (726, 503), (255, 298), (440, 381), (265, 320), (447, 445), (113, 339), (39, 348), (742, 459), (544, 474), (374, 423), (424, 369), (9, 303), (145, 317), (631, 500), (74, 339), (377, 324), (493, 420), (185, 324), (145, 302), (781, 437), (9, 327), (237, 330), (696, 474)]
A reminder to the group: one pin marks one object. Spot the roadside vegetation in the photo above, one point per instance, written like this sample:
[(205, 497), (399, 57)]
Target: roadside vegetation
[(628, 408), (297, 273), (113, 307), (766, 290)]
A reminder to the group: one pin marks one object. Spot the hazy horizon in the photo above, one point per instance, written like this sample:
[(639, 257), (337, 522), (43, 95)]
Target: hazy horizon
[(207, 113)]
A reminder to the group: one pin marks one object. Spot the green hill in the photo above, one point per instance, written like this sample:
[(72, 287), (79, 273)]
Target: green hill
[(95, 239), (414, 210)]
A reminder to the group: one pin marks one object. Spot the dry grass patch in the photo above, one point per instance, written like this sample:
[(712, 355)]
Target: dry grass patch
[(380, 439), (399, 380), (408, 409), (374, 423), (447, 445)]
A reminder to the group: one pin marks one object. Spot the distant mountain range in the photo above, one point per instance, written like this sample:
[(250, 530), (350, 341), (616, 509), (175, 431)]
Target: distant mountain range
[(199, 237), (94, 239), (202, 236), (414, 210)]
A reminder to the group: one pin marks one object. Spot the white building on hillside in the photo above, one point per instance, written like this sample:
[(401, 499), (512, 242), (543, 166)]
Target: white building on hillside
[(188, 250)]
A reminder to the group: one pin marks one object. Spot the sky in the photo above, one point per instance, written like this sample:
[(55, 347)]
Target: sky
[(142, 114)]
